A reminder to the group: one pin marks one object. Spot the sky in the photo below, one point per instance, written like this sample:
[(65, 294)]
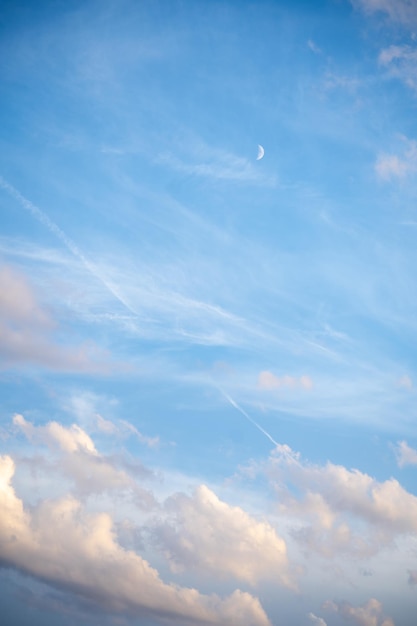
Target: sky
[(208, 363)]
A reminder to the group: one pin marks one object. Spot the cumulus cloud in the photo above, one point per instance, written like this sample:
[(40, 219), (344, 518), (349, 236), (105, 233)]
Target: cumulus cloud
[(209, 535), (405, 455), (80, 461), (26, 332), (268, 380), (335, 500), (369, 614), (61, 543)]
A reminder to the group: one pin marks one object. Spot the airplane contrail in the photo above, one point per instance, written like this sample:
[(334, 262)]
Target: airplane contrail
[(248, 417), (68, 243)]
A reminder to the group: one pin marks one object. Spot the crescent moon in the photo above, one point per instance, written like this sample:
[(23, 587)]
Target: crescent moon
[(261, 152)]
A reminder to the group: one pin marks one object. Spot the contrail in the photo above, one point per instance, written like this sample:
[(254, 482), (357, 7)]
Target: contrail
[(248, 417), (68, 243)]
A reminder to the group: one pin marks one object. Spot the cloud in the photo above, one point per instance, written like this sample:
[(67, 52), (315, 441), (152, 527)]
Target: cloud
[(412, 577), (79, 460), (203, 533), (401, 63), (347, 510), (317, 621), (62, 544), (369, 614), (390, 166), (405, 382), (404, 11), (207, 162), (267, 380), (25, 332), (405, 455), (314, 47)]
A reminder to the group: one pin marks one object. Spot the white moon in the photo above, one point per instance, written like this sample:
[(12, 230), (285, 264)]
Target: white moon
[(261, 152)]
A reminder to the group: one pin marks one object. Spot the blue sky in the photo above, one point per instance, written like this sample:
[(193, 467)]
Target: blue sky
[(208, 360)]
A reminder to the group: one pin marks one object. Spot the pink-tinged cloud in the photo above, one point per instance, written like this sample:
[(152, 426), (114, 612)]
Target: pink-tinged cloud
[(205, 534), (269, 381), (27, 333), (61, 543), (369, 614), (405, 454), (333, 500)]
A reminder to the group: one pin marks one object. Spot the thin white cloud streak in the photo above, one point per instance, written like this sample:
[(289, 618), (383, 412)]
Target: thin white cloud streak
[(68, 243), (248, 417), (317, 621), (209, 162)]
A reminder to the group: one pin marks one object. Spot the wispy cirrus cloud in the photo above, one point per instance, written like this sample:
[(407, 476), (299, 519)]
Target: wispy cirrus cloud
[(403, 11), (400, 62), (198, 159)]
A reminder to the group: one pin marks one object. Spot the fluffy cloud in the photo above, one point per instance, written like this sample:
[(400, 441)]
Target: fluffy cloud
[(370, 614), (80, 461), (268, 380), (337, 501), (25, 332), (405, 455), (205, 533), (59, 542)]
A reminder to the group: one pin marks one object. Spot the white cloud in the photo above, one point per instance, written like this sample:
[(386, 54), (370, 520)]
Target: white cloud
[(209, 535), (404, 11), (54, 434), (346, 510), (389, 166), (25, 332), (317, 621), (405, 455), (79, 460), (268, 380), (314, 47), (401, 63), (369, 614), (60, 543), (205, 161)]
